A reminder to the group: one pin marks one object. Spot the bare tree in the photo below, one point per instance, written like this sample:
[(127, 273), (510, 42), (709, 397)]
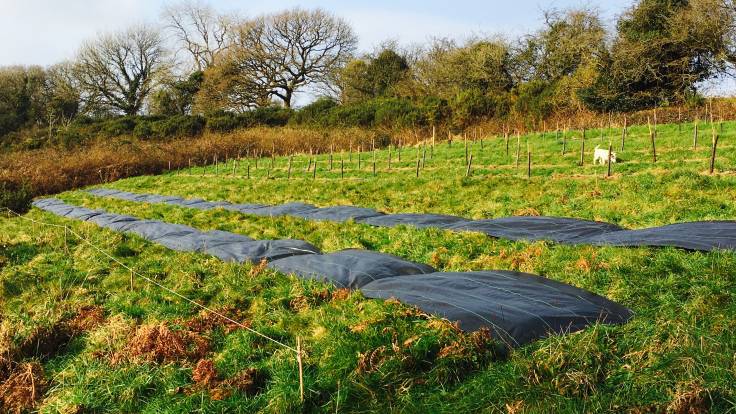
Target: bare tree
[(199, 30), (280, 53), (118, 71)]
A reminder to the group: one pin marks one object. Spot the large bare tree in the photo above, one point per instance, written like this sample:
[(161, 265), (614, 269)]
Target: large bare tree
[(199, 30), (280, 53), (118, 71)]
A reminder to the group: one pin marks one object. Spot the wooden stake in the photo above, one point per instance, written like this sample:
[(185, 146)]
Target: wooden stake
[(695, 136), (518, 148), (465, 137), (314, 169), (610, 148), (424, 155), (652, 135), (582, 149), (713, 152), (417, 168), (506, 138), (301, 368), (248, 172), (342, 168), (470, 166), (623, 134), (389, 157), (528, 163)]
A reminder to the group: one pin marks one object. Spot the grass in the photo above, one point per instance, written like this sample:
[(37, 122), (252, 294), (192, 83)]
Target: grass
[(365, 355)]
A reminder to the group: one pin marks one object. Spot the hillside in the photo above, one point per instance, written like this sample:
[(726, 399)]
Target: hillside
[(74, 336)]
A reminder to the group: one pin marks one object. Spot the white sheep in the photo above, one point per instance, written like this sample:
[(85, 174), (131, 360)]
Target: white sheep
[(600, 156)]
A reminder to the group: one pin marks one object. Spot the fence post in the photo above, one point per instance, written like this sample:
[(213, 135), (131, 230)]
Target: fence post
[(470, 166), (582, 149), (695, 136), (713, 152), (652, 135), (528, 162), (417, 167), (424, 154), (610, 148), (465, 138), (623, 134), (301, 370)]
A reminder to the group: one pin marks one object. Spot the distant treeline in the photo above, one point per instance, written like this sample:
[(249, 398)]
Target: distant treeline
[(237, 73)]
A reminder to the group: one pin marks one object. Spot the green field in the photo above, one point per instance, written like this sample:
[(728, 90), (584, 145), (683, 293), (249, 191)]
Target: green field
[(106, 348)]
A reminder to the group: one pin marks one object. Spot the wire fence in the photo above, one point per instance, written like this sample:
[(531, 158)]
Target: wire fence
[(68, 230)]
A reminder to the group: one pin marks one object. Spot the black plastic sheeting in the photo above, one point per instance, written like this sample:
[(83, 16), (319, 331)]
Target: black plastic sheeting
[(699, 235), (350, 268), (517, 308), (223, 245)]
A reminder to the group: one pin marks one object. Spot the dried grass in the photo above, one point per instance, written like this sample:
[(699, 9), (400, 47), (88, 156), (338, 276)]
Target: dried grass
[(160, 344), (54, 170), (24, 387)]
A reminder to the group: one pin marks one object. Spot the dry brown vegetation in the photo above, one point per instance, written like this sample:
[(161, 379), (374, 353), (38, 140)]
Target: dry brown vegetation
[(159, 343), (22, 379), (24, 387), (53, 170)]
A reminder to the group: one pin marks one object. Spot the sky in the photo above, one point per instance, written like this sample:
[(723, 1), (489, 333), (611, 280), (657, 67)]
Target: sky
[(44, 32)]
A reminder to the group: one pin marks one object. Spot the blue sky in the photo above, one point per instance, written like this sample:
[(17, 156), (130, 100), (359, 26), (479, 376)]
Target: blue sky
[(47, 31)]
